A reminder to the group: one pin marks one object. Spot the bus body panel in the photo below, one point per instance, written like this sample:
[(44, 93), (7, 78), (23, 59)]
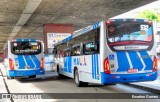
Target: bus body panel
[(23, 73), (121, 61), (87, 65), (126, 78)]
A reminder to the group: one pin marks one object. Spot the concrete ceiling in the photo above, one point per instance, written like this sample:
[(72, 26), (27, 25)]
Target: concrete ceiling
[(25, 18)]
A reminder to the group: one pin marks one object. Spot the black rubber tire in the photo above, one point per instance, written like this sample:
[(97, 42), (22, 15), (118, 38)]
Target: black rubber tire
[(8, 77), (59, 74), (113, 84), (77, 81), (33, 76)]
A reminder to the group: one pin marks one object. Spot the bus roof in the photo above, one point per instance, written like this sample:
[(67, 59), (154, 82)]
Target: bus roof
[(24, 40), (96, 25), (129, 19), (80, 32)]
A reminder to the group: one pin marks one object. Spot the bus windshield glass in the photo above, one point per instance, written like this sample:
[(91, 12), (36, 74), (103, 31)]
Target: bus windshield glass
[(129, 31), (20, 48)]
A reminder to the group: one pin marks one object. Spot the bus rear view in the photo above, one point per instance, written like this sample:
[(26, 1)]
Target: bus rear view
[(25, 58), (131, 51)]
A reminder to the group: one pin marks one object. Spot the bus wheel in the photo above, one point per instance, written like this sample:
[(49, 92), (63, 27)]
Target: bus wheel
[(59, 74), (77, 81), (33, 76), (8, 77)]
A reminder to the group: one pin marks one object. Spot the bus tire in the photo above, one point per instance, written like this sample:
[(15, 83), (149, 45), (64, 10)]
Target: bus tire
[(8, 77), (58, 72), (77, 81), (113, 84), (33, 76)]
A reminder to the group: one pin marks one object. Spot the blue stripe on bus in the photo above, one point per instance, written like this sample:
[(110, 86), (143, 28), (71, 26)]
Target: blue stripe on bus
[(67, 39), (136, 62), (95, 25), (33, 40), (93, 62), (21, 62), (69, 67), (19, 40), (29, 61), (25, 39), (65, 64), (123, 63), (92, 67), (97, 67), (68, 64), (147, 60), (36, 61)]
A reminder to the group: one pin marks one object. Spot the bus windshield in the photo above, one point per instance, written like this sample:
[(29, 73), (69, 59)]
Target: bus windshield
[(129, 31), (20, 48)]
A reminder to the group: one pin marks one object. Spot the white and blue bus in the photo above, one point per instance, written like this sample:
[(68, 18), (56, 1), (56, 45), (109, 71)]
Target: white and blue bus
[(26, 58), (109, 52)]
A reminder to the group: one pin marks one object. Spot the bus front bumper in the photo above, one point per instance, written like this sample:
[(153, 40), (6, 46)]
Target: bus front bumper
[(23, 73), (126, 78)]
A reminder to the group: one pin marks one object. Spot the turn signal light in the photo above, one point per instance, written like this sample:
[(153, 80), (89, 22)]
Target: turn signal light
[(11, 64), (106, 66), (42, 63), (154, 64)]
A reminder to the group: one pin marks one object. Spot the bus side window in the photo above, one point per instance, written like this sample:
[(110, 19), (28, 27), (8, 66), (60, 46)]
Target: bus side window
[(67, 52), (92, 42), (90, 48), (97, 39), (76, 51)]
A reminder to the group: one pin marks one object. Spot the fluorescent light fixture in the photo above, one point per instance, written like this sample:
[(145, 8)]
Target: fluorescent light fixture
[(31, 6), (16, 29), (23, 19)]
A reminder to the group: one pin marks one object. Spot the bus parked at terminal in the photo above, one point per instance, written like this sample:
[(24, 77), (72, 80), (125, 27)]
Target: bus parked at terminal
[(109, 52), (25, 58)]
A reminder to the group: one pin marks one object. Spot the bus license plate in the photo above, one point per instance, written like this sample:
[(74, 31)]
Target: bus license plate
[(131, 70)]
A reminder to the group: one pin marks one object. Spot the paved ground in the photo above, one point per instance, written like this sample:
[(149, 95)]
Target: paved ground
[(48, 83), (54, 85), (151, 85)]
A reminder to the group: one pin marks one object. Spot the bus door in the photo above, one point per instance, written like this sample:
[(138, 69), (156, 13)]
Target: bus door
[(67, 61)]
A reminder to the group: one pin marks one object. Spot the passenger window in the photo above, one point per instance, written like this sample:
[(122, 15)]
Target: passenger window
[(76, 50), (91, 44), (67, 52), (90, 48)]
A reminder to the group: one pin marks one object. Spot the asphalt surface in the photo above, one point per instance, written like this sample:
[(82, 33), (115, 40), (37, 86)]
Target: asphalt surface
[(49, 83)]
